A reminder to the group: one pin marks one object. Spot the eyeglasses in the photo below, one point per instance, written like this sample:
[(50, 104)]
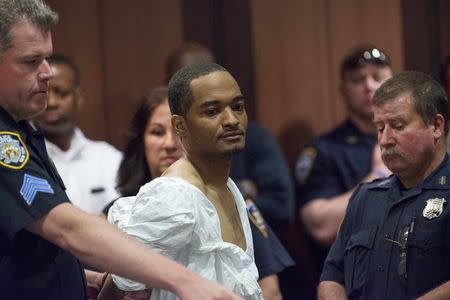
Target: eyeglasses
[(362, 56), (401, 241)]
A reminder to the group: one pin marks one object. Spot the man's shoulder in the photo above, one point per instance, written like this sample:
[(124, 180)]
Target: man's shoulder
[(184, 169)]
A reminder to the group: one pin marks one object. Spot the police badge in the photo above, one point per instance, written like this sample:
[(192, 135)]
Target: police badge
[(434, 208)]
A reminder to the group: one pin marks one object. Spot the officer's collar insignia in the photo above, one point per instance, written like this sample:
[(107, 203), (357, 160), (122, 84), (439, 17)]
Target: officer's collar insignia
[(305, 164), (434, 208), (256, 218), (351, 139), (384, 182), (13, 152), (32, 185), (442, 180)]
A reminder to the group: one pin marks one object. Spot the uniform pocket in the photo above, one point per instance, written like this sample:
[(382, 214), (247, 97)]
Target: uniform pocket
[(426, 261), (356, 259)]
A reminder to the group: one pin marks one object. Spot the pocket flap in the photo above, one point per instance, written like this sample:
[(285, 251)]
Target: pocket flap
[(425, 239), (363, 238)]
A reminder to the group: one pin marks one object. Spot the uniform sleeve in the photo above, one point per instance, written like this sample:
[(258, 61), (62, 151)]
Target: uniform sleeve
[(161, 216), (27, 194), (270, 255), (316, 175), (333, 268), (267, 168)]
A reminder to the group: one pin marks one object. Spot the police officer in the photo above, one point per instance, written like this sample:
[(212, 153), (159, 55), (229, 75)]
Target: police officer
[(395, 238), (328, 171), (36, 219)]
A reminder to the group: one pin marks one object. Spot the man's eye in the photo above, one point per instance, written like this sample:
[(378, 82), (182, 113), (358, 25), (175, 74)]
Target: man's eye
[(210, 111), (239, 107)]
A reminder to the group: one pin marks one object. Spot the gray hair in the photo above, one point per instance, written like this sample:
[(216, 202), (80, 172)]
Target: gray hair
[(429, 97), (12, 12)]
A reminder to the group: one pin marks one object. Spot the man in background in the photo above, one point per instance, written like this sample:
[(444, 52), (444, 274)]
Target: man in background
[(329, 170), (88, 168)]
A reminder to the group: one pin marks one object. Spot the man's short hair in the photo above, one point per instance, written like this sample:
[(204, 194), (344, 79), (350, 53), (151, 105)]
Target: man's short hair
[(362, 55), (60, 59), (15, 11), (180, 94), (429, 97)]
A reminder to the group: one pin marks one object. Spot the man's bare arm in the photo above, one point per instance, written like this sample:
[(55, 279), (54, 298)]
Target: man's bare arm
[(97, 243), (442, 292), (322, 217), (330, 290)]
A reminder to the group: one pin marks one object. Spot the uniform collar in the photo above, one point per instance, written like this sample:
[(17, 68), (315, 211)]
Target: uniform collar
[(438, 180)]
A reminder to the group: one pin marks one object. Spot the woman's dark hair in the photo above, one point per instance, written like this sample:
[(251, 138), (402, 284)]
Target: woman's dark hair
[(133, 169)]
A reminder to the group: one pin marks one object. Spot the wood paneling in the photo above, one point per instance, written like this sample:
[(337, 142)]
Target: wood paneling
[(136, 42), (78, 36), (120, 50), (297, 51)]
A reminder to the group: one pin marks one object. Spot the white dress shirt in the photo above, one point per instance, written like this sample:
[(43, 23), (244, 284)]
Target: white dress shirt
[(89, 171)]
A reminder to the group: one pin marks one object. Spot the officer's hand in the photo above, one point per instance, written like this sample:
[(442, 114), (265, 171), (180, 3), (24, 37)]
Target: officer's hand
[(200, 288)]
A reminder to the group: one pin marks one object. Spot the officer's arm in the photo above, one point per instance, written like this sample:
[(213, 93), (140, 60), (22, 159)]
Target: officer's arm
[(97, 243), (331, 290), (441, 292), (322, 216)]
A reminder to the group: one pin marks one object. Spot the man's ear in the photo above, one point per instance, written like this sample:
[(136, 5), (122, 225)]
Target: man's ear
[(438, 124), (179, 125), (79, 98)]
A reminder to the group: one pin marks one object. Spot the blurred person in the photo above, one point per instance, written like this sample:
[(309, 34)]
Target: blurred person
[(41, 231), (88, 168), (395, 237), (191, 211), (329, 170)]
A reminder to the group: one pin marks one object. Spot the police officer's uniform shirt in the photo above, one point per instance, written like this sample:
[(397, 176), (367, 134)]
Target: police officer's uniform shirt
[(335, 163), (371, 256), (31, 267), (270, 255), (262, 162), (89, 170)]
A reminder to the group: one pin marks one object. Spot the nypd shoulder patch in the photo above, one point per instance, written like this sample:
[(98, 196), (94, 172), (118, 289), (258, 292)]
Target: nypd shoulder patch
[(32, 185), (13, 152), (256, 217), (305, 164)]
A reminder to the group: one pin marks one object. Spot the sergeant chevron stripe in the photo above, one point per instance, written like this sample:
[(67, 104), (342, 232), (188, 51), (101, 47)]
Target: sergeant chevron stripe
[(32, 185)]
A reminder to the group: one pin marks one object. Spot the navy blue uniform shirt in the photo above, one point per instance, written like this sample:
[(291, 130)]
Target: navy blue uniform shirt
[(30, 266), (270, 255), (262, 162), (334, 164), (394, 243)]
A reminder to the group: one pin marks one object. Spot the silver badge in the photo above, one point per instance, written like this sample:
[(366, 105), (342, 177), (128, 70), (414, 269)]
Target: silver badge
[(434, 208)]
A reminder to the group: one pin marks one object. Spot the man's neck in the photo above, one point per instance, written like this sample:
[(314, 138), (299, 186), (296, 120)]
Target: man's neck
[(427, 170), (214, 171), (63, 142)]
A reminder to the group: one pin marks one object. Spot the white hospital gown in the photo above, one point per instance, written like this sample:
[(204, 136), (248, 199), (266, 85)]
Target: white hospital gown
[(174, 218)]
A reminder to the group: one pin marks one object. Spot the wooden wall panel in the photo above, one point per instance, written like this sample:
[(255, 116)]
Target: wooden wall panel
[(120, 50), (136, 42), (77, 35), (297, 50)]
